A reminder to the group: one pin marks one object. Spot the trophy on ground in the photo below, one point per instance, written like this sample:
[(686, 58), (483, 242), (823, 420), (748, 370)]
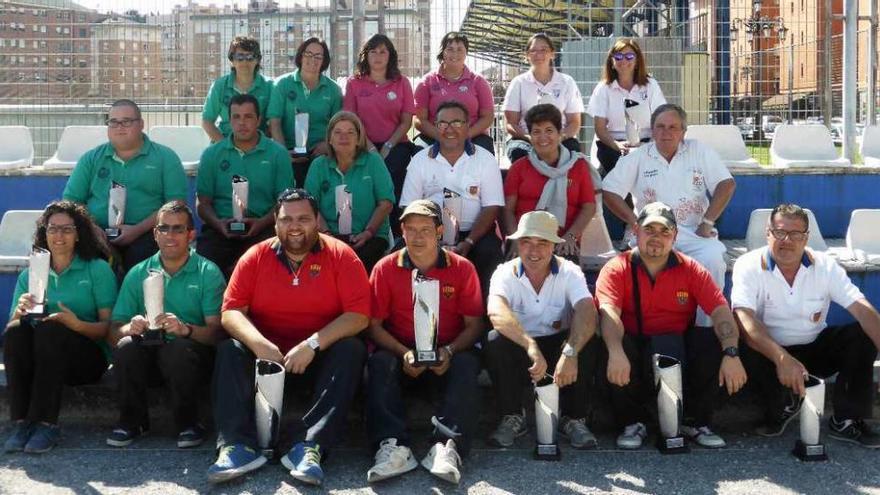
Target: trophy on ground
[(268, 401), (343, 212), (154, 303), (670, 405), (115, 210), (452, 206), (38, 283), (809, 447), (634, 114), (239, 204), (426, 311), (301, 135), (547, 420)]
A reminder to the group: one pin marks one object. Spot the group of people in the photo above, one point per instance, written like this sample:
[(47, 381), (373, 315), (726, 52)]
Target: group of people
[(324, 304)]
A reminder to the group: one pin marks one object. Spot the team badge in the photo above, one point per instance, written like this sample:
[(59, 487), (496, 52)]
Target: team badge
[(698, 180), (391, 96), (448, 291), (816, 316), (104, 172), (224, 165), (682, 297), (462, 89), (557, 324), (474, 190), (291, 94), (314, 270)]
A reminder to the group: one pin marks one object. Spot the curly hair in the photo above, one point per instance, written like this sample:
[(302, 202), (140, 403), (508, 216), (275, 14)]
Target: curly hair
[(246, 44), (87, 247), (392, 71)]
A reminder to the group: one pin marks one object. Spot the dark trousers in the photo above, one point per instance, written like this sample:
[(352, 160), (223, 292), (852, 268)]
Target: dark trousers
[(844, 350), (458, 411), (700, 354), (300, 171), (483, 140), (371, 252), (140, 249), (333, 375), (518, 148), (226, 252), (486, 255), (183, 364), (508, 365), (397, 161), (40, 360)]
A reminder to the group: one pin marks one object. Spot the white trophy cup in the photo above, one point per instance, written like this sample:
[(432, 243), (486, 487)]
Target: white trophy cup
[(547, 420), (115, 210), (38, 281), (154, 304), (343, 211), (632, 113), (452, 208), (268, 401), (239, 204), (809, 446), (301, 133), (426, 311), (670, 405)]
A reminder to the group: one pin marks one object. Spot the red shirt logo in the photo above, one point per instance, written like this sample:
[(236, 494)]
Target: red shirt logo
[(448, 291), (682, 297)]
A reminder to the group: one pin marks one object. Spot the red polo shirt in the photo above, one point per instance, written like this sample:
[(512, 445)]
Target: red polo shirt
[(668, 303), (391, 283), (331, 281), (526, 183)]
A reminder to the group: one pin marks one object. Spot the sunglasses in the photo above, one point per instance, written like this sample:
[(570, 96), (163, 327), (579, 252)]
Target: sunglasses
[(244, 57), (165, 229), (620, 56)]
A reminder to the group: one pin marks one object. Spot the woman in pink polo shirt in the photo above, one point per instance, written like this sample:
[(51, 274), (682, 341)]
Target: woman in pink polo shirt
[(454, 81)]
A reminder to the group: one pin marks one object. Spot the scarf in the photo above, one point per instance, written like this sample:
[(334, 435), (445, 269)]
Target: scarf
[(554, 197)]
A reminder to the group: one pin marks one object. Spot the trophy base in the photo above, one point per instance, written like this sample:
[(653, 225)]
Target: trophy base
[(35, 315), (810, 453), (547, 452), (269, 454), (153, 337), (672, 445), (299, 152), (237, 228), (112, 232), (426, 358)]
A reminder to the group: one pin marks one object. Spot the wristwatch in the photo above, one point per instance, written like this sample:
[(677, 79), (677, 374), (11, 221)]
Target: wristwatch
[(313, 342), (568, 350), (732, 351)]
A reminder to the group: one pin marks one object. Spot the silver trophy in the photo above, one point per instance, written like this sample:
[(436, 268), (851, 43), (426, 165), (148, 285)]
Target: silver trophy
[(343, 211), (426, 311), (809, 447), (670, 405), (268, 401), (38, 282), (115, 210), (154, 303), (633, 132), (239, 204), (301, 134), (452, 208), (547, 420)]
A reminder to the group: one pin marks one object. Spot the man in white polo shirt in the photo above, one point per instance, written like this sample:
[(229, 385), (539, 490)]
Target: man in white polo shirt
[(781, 295), (454, 164), (542, 312), (682, 174)]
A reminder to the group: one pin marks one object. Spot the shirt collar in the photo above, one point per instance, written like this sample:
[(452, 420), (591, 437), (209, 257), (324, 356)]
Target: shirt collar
[(155, 262), (530, 77), (259, 81), (469, 149), (519, 270), (465, 75), (229, 143), (404, 261), (653, 152), (769, 264), (76, 264), (145, 149), (322, 79), (279, 250)]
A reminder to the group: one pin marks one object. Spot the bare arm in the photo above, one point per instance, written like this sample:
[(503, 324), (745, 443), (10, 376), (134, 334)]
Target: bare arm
[(789, 370), (619, 207), (583, 324), (618, 371), (213, 132), (406, 120), (276, 132), (720, 198), (731, 373), (588, 211), (600, 125), (205, 210), (425, 126), (382, 338), (511, 125), (240, 328), (868, 318), (508, 215), (209, 333), (572, 126), (487, 116)]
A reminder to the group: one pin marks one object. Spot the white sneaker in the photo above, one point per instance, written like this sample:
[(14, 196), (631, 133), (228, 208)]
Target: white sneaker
[(632, 437), (444, 462), (703, 436), (391, 460)]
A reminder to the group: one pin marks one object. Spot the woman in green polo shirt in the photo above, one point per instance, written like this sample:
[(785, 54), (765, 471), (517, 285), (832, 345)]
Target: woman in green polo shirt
[(66, 347), (245, 56), (353, 172)]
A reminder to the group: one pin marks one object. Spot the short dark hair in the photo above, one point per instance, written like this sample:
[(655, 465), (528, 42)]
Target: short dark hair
[(298, 58), (292, 194), (247, 44), (124, 102), (544, 112), (450, 38), (453, 104), (667, 107), (177, 207), (87, 247), (241, 99), (790, 210), (392, 72)]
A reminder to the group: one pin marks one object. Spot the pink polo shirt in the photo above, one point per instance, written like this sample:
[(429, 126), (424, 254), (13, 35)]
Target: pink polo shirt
[(379, 106), (470, 89)]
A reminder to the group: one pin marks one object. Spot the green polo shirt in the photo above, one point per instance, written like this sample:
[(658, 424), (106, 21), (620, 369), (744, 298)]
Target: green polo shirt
[(266, 167), (368, 181), (192, 294), (153, 177), (221, 92), (289, 98)]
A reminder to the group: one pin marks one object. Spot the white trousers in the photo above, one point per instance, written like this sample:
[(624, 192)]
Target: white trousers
[(709, 252)]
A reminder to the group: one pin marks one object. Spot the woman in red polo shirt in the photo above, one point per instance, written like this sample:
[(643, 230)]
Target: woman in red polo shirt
[(550, 178)]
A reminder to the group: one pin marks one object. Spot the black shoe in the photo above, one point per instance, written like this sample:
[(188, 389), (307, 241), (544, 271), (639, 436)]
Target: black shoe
[(775, 426), (854, 431), (121, 437), (191, 437)]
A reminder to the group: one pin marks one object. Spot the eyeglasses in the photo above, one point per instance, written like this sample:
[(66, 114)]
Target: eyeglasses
[(61, 229), (115, 123), (165, 229), (538, 51), (620, 56), (243, 57), (313, 56), (794, 235), (456, 124)]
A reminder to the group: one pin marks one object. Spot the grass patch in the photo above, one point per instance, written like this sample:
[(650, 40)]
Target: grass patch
[(761, 152)]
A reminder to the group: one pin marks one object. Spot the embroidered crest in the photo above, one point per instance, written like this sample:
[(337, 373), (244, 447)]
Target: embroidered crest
[(462, 89), (391, 96), (224, 165), (291, 94), (325, 186), (682, 297), (448, 291), (557, 324), (816, 316), (698, 180), (473, 190), (314, 270), (104, 172)]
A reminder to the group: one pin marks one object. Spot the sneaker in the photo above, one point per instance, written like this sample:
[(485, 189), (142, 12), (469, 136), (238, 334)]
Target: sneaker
[(775, 426), (577, 433), (854, 431), (632, 437), (21, 432), (234, 461), (191, 437), (391, 460), (703, 436), (43, 438), (304, 463), (120, 437), (511, 427), (444, 462)]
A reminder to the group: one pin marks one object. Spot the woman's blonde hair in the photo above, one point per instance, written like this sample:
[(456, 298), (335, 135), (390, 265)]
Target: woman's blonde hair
[(340, 116)]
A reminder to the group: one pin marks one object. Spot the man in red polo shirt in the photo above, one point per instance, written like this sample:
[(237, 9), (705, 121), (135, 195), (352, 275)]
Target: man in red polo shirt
[(393, 363), (671, 286), (297, 299)]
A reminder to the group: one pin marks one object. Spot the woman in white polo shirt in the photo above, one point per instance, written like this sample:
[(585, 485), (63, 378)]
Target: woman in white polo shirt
[(625, 83), (541, 84)]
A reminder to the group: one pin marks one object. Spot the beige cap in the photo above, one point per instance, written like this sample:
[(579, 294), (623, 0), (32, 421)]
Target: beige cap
[(540, 224), (657, 212)]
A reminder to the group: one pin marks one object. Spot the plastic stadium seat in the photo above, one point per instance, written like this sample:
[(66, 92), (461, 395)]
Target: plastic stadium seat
[(756, 238), (17, 230), (16, 147), (804, 146), (75, 141), (187, 141), (862, 235), (870, 149), (726, 140)]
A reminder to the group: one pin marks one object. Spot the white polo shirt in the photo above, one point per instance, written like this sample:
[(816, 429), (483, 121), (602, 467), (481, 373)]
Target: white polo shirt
[(525, 91), (683, 184), (549, 311), (475, 175), (607, 101), (793, 314)]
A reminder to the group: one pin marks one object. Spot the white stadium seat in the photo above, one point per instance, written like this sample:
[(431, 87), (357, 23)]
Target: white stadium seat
[(870, 149), (863, 236), (75, 141), (187, 141), (756, 237), (17, 230), (16, 147), (726, 140), (804, 146)]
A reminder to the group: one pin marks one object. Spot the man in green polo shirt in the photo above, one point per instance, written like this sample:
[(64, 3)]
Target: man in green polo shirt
[(191, 321), (266, 166), (151, 173)]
